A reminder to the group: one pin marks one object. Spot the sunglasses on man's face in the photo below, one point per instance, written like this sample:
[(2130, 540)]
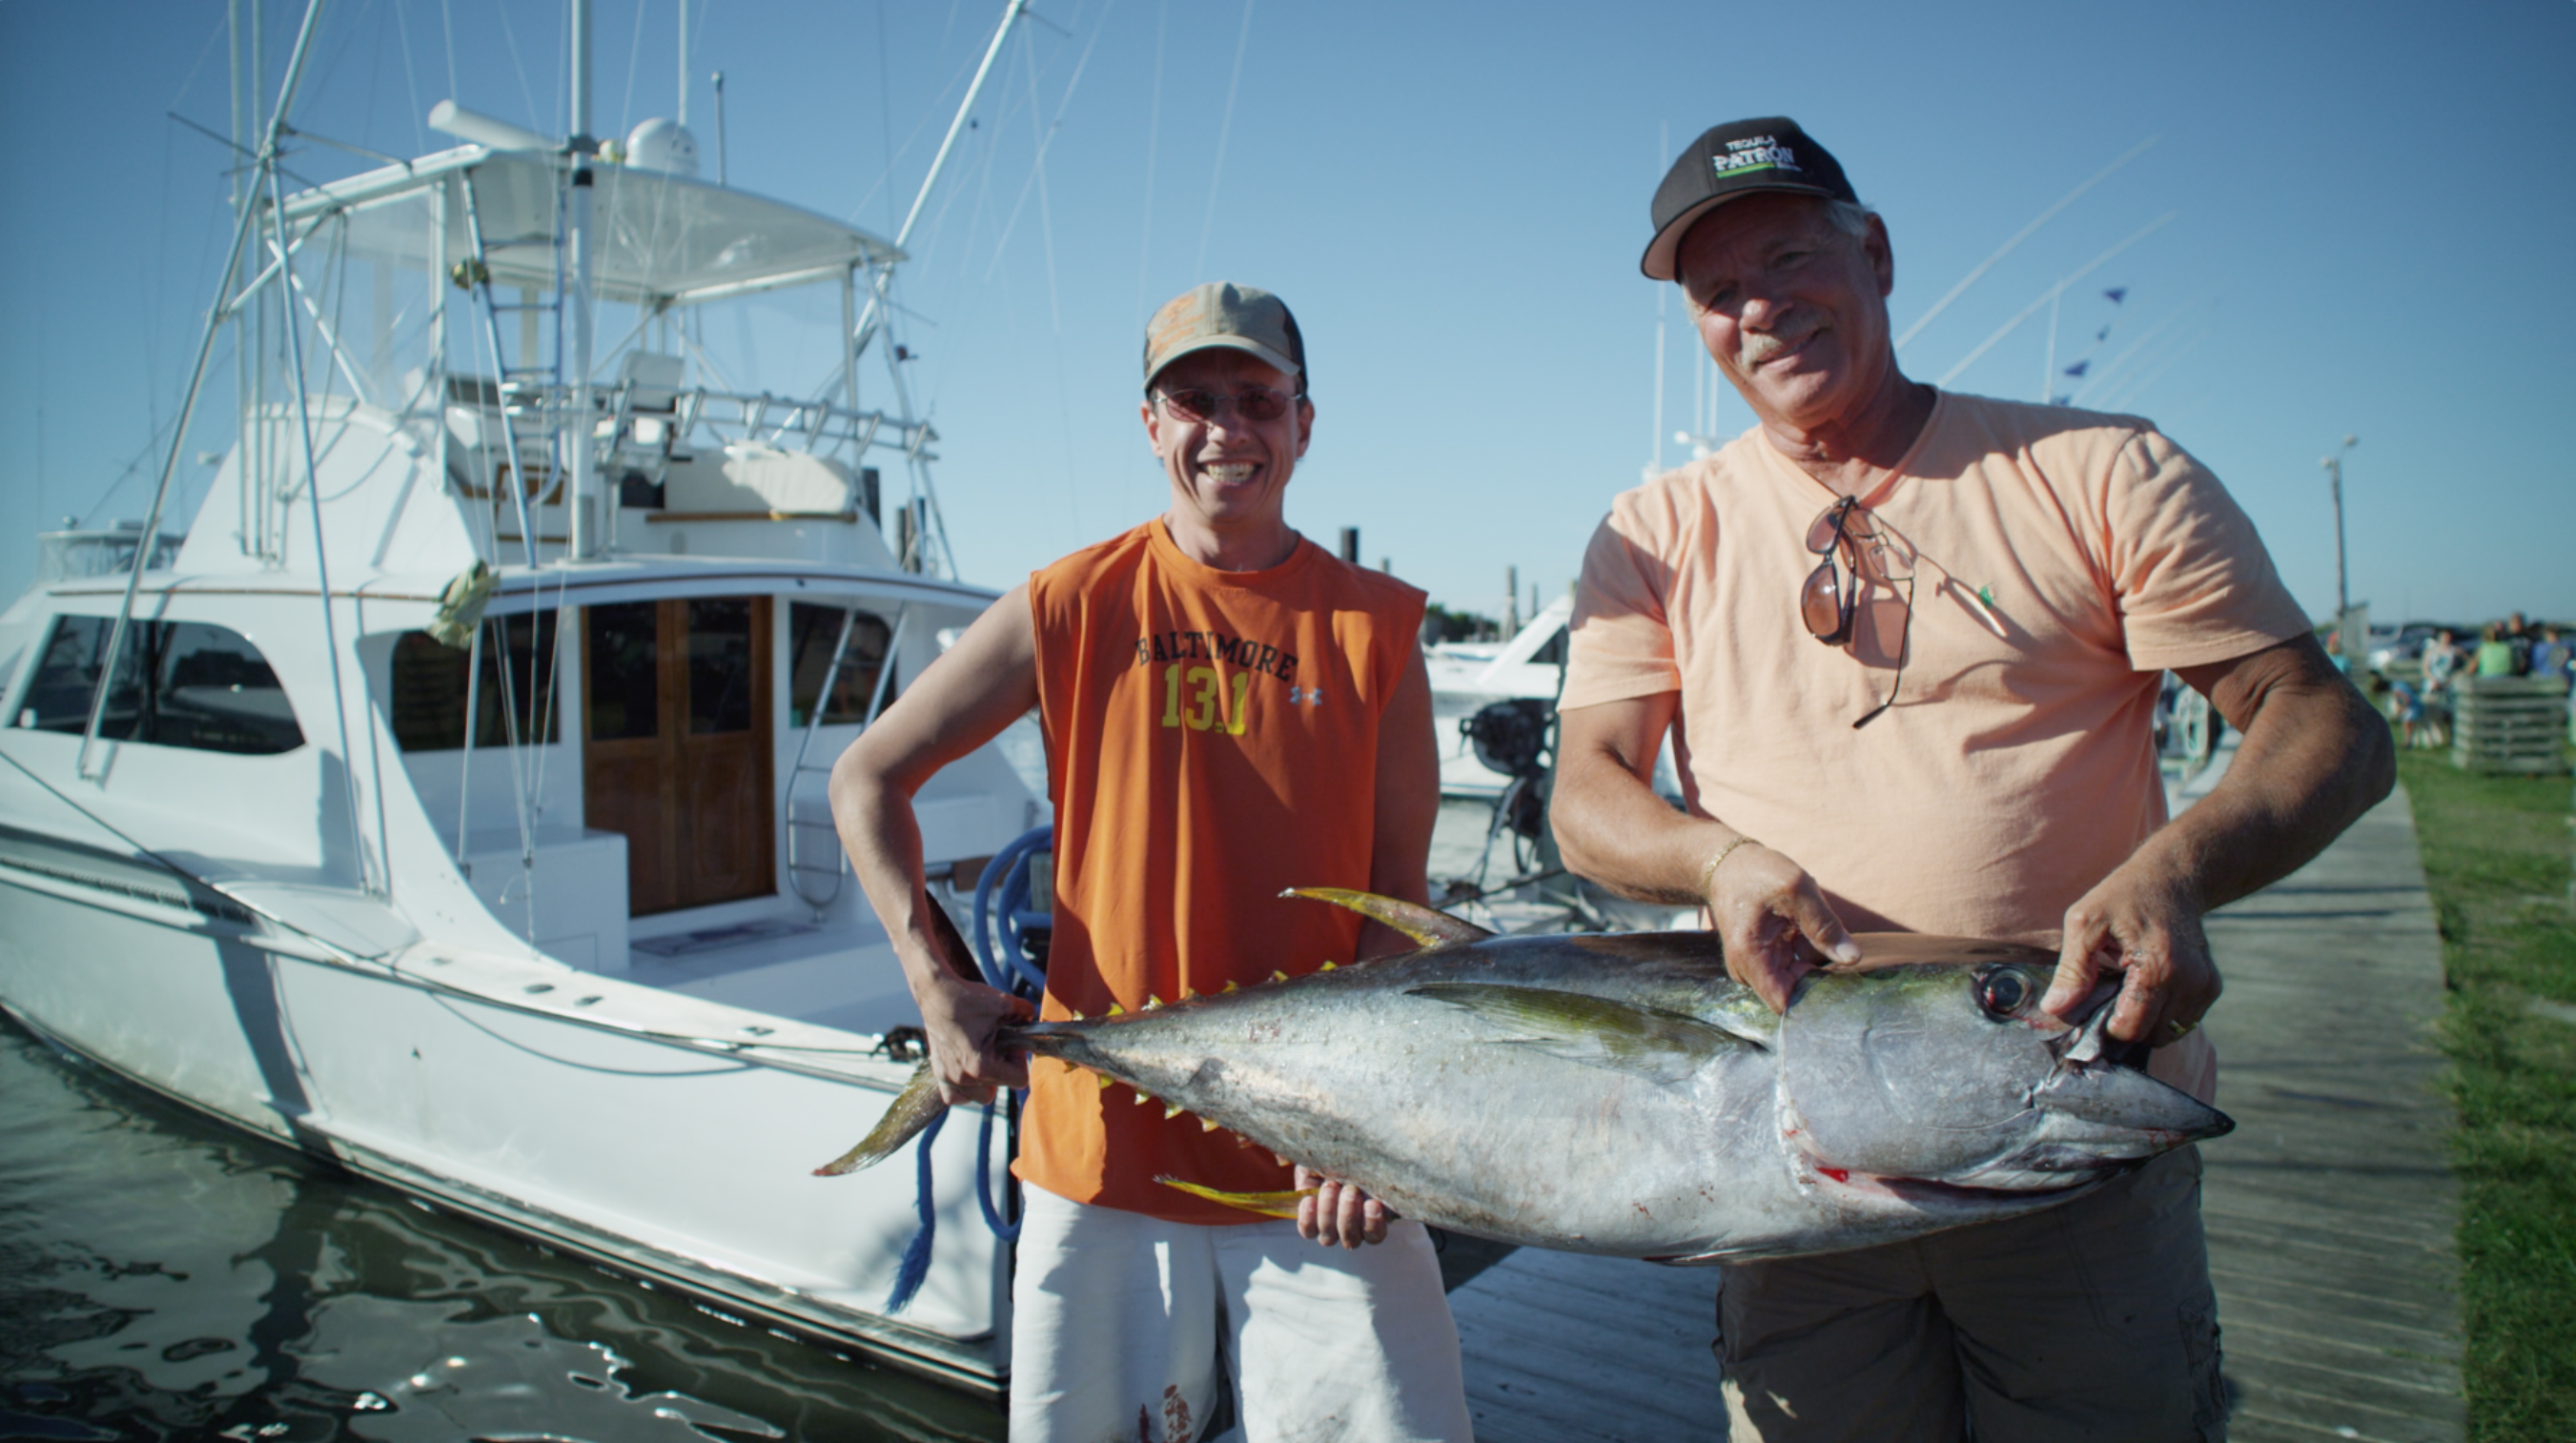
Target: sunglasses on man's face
[(1194, 403)]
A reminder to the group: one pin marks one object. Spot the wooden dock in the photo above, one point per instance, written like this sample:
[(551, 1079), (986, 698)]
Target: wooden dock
[(2330, 1211)]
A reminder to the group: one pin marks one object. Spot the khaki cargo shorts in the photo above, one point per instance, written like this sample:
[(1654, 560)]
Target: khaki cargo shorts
[(2092, 1321)]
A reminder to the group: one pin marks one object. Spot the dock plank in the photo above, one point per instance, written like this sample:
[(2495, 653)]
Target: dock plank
[(2330, 1211)]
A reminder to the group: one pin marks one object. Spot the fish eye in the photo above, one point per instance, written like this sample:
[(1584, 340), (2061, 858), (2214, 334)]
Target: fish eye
[(2002, 993)]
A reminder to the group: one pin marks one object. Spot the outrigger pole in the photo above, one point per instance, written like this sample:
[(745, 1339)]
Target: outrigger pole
[(215, 317), (872, 318)]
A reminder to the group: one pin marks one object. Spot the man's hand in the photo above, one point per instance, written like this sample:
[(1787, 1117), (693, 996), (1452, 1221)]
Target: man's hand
[(1339, 1213), (1773, 921), (960, 1019), (2149, 930)]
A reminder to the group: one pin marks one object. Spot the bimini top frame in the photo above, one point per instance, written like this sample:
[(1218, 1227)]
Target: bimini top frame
[(662, 240)]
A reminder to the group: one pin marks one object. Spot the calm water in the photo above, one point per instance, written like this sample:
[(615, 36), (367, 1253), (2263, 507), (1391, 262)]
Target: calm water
[(163, 1277)]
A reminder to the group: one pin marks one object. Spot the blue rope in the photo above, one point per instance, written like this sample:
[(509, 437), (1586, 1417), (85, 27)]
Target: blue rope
[(1010, 972), (909, 1273), (1007, 1232)]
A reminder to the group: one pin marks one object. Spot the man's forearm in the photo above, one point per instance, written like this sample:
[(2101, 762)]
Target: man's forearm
[(1610, 826), (883, 838), (2313, 758)]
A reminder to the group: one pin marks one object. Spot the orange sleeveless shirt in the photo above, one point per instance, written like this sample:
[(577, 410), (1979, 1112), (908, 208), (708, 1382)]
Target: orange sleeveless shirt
[(1211, 740)]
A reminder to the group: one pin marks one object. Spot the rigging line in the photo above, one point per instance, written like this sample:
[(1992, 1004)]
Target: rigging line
[(2023, 234), (411, 85), (2102, 380), (510, 41), (1207, 226), (634, 59), (2133, 392), (1153, 145), (1055, 307), (1037, 168), (447, 30), (2052, 293), (885, 117), (928, 115)]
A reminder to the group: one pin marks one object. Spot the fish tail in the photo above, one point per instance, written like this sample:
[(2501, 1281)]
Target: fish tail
[(1268, 1204), (913, 1109)]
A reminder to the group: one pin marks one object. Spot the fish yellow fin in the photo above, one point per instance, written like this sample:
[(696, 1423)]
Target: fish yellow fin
[(1594, 1031), (1143, 1097), (1268, 1204), (1152, 1002), (1171, 1110), (1329, 965), (1229, 987), (1115, 1011), (1104, 1079), (1423, 925), (1207, 1124), (1277, 976)]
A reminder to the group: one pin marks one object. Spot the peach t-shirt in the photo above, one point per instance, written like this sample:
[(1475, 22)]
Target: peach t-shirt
[(1211, 740), (2060, 560)]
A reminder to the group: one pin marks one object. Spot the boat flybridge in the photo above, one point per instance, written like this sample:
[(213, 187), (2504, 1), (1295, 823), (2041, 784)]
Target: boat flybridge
[(449, 801)]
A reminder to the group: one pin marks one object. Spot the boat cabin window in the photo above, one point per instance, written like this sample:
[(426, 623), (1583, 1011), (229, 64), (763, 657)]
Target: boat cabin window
[(177, 684), (1552, 654), (812, 630), (513, 701)]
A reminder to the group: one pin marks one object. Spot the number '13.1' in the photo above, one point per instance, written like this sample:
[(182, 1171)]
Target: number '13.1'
[(1206, 709)]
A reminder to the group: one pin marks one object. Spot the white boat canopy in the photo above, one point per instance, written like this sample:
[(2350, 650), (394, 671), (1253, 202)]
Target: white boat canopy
[(663, 240)]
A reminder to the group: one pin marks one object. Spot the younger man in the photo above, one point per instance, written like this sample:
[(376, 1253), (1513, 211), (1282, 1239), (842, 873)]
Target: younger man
[(1229, 711)]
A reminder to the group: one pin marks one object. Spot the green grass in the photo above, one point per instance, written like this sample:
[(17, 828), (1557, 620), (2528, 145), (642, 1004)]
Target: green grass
[(2496, 855)]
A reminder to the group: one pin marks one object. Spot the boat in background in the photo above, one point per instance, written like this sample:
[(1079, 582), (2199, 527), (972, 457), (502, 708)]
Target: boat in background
[(448, 801), (1469, 676)]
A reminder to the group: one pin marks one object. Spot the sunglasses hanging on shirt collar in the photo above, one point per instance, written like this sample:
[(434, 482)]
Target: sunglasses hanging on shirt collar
[(1850, 540)]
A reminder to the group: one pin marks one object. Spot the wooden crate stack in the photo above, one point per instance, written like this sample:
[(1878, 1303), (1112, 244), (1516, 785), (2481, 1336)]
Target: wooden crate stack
[(2509, 724)]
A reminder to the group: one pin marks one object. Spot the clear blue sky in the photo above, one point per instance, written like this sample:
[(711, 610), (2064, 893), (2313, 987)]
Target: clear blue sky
[(2372, 235)]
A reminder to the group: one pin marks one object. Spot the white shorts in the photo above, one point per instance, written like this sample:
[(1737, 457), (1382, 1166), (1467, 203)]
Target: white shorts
[(1119, 1322)]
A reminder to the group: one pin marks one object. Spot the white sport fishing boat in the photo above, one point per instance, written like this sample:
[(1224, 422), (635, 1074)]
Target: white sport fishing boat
[(449, 801)]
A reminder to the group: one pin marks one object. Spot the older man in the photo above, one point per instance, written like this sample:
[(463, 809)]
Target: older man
[(1229, 710), (1910, 641)]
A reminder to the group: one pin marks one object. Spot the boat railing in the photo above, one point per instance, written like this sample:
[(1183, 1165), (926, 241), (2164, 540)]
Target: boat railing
[(635, 418)]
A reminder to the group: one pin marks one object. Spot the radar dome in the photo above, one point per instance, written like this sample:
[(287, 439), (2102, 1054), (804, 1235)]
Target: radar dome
[(663, 145)]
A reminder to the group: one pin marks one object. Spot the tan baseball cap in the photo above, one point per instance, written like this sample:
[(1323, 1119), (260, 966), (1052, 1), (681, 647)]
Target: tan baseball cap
[(1221, 314)]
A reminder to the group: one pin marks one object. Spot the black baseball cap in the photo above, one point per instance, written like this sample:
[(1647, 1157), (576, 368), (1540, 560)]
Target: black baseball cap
[(1731, 160)]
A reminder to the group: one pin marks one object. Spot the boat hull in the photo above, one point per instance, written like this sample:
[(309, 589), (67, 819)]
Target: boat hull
[(677, 1158)]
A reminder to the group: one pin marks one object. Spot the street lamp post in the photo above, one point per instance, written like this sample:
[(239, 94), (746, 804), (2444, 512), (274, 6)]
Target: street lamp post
[(2334, 469)]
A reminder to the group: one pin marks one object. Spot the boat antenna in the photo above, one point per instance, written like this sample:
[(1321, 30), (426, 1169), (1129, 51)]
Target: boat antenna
[(216, 315), (720, 145)]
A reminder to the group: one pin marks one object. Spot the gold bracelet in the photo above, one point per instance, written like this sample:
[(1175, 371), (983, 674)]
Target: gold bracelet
[(1710, 870)]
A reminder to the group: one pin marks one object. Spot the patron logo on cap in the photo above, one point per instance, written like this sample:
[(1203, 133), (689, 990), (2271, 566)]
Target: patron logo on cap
[(1758, 152)]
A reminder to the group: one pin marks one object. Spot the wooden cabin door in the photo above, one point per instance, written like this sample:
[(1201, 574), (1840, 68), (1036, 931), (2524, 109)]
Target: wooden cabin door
[(677, 753)]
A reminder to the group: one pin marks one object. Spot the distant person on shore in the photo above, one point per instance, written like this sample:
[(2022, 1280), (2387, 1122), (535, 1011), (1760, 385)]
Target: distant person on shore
[(2550, 655), (2405, 705), (1229, 710), (2441, 666), (1913, 641), (2495, 653)]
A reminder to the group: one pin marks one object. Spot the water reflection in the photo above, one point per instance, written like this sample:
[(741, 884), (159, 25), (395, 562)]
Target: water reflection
[(162, 1277)]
